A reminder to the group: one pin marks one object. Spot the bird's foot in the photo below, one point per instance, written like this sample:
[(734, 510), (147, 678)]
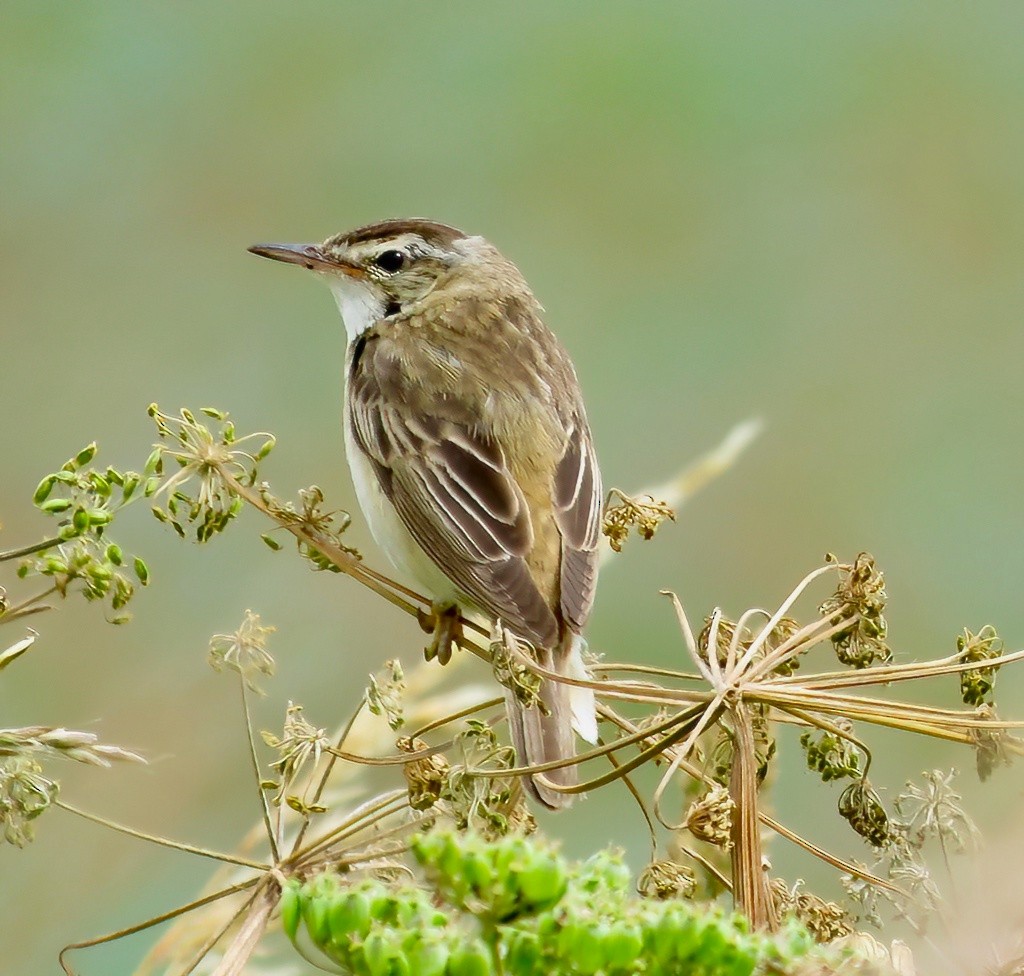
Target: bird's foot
[(444, 623)]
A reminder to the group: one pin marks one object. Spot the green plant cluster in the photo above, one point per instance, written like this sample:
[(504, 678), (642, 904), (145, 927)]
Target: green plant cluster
[(85, 501), (515, 906)]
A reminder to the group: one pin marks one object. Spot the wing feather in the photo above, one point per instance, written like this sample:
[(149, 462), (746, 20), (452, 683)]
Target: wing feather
[(577, 497), (453, 490)]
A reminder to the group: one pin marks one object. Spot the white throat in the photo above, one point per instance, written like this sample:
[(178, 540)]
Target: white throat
[(360, 307)]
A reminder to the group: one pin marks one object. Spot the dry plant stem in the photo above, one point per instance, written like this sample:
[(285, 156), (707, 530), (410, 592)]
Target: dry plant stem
[(163, 841), (725, 882), (750, 882), (361, 817), (741, 624), (941, 723), (327, 854), (889, 674), (28, 550), (800, 643), (710, 714), (26, 607), (677, 492), (606, 749), (252, 929), (219, 934), (156, 920), (645, 669), (370, 857), (347, 563), (396, 759), (635, 793), (254, 759), (694, 772), (448, 719), (751, 652), (644, 756)]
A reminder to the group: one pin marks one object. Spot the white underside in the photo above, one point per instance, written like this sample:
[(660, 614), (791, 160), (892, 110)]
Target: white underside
[(390, 533)]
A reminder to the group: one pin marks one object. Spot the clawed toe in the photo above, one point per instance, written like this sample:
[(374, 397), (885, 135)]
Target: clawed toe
[(445, 624)]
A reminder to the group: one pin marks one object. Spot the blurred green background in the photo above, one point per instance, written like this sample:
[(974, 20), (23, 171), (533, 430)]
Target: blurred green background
[(812, 213)]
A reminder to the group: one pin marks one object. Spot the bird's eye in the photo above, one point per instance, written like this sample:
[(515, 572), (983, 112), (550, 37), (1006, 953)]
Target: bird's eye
[(390, 261)]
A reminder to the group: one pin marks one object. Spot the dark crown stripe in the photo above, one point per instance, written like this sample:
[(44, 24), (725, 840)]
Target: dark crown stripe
[(429, 230)]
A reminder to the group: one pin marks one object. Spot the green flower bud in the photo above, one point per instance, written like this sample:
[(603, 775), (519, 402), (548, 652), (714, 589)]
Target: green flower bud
[(44, 489), (586, 948), (141, 571), (114, 554), (55, 505), (622, 945), (290, 906), (80, 520), (478, 870), (155, 462), (100, 484), (315, 909), (543, 882), (524, 955), (100, 572), (470, 959), (676, 936), (427, 955), (349, 917), (382, 957), (84, 456)]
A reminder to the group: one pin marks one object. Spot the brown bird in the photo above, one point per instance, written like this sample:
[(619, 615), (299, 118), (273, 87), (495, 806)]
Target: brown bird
[(471, 453)]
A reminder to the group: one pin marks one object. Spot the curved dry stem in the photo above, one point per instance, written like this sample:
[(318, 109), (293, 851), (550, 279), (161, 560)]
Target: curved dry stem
[(155, 920), (454, 717)]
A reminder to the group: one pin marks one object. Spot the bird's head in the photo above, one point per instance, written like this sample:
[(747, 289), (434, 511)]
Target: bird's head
[(385, 269)]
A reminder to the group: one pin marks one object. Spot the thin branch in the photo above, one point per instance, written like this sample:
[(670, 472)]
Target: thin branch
[(254, 759), (163, 841), (29, 550)]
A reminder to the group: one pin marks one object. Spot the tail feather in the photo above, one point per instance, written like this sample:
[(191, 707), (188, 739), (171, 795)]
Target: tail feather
[(546, 734)]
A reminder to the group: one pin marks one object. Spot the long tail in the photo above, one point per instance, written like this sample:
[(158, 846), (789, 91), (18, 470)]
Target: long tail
[(543, 735)]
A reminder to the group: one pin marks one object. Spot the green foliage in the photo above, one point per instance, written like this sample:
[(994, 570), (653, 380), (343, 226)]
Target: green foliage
[(81, 557), (514, 905)]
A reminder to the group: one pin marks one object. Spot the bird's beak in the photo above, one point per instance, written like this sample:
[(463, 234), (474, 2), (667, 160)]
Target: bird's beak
[(309, 256)]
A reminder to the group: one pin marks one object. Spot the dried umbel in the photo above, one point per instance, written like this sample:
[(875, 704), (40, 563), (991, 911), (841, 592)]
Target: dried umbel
[(860, 597), (642, 513), (24, 794), (425, 776), (710, 817), (506, 661), (861, 807), (299, 746), (666, 879), (992, 746), (244, 651), (830, 754), (977, 686), (825, 920)]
